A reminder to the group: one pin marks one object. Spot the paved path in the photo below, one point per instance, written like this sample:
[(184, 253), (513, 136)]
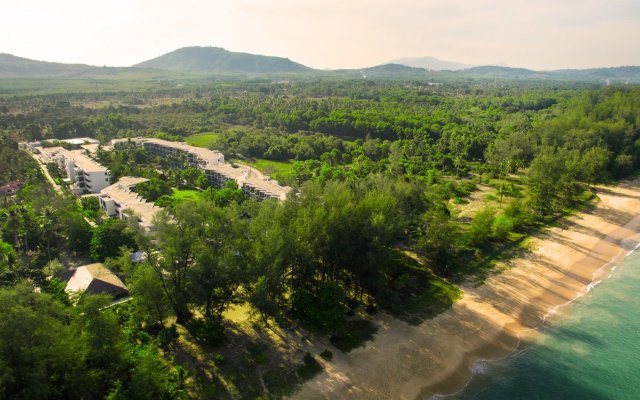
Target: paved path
[(45, 171)]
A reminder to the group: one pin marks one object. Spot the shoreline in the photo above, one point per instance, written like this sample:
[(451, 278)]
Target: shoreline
[(436, 358)]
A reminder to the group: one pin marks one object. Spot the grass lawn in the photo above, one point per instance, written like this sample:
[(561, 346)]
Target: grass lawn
[(278, 170), (202, 139), (180, 195)]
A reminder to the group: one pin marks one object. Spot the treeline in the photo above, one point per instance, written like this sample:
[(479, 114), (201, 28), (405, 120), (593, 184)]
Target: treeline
[(351, 108), (594, 138)]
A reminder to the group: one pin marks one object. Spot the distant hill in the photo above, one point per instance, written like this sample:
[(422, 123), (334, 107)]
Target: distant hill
[(193, 62), (501, 72), (18, 67), (431, 63), (607, 75), (613, 74), (219, 60), (12, 66), (384, 71)]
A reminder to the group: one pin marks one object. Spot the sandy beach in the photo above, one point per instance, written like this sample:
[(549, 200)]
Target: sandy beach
[(491, 320)]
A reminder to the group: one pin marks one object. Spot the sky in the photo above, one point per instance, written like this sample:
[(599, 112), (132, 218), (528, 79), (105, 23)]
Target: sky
[(537, 34)]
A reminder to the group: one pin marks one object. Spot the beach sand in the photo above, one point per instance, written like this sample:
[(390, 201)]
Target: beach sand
[(491, 320)]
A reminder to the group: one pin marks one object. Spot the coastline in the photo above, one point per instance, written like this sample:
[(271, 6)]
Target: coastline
[(435, 358)]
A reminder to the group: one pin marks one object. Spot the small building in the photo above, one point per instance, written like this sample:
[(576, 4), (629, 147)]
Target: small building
[(96, 279)]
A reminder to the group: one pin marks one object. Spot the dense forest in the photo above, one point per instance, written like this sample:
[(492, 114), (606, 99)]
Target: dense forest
[(400, 191)]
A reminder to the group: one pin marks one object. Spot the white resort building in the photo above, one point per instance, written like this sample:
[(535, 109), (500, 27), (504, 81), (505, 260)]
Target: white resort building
[(116, 199), (211, 162), (85, 173)]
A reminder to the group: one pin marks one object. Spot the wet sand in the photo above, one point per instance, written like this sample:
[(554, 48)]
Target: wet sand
[(491, 320)]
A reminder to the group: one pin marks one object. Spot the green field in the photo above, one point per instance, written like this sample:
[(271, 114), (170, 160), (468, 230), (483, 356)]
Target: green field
[(272, 167), (185, 194), (278, 170), (202, 139)]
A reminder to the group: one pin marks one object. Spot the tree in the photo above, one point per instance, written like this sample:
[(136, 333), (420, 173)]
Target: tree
[(149, 298), (594, 165), (48, 361), (324, 310), (230, 193), (552, 179), (439, 242), (177, 237), (7, 256), (220, 259), (481, 228), (109, 237)]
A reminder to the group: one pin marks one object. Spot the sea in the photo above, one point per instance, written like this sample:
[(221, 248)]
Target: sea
[(588, 350)]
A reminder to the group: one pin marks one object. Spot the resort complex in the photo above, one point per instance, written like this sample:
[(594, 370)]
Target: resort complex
[(212, 163)]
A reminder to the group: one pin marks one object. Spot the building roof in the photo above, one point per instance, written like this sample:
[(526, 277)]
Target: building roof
[(123, 194), (81, 140), (244, 174), (207, 156), (96, 279), (79, 158), (91, 148)]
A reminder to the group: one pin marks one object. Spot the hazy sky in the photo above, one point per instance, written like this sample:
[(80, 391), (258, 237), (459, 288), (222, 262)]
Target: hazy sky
[(538, 34)]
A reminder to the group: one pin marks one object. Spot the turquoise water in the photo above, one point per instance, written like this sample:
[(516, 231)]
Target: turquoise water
[(590, 351)]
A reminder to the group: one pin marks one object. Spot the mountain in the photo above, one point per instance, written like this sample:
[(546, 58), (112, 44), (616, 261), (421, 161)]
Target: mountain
[(12, 66), (192, 63), (219, 60), (431, 63)]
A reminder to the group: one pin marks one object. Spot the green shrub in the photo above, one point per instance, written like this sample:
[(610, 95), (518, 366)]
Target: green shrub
[(502, 226), (167, 335), (211, 331), (309, 367), (258, 352), (327, 355)]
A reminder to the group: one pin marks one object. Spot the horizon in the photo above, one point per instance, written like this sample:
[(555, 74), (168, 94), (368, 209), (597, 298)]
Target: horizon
[(332, 35)]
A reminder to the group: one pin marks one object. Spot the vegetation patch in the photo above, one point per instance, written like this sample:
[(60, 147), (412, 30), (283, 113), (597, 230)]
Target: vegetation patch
[(355, 333), (282, 171), (205, 140), (417, 294), (309, 368)]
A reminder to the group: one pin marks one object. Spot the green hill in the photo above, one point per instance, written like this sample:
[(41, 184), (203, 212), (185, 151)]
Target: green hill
[(12, 66), (216, 59)]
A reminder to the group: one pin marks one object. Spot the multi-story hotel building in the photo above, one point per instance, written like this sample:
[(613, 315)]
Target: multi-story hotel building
[(211, 162), (85, 174)]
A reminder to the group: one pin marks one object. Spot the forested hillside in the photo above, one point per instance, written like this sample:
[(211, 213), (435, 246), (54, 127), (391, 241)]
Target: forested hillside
[(400, 192), (216, 59)]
